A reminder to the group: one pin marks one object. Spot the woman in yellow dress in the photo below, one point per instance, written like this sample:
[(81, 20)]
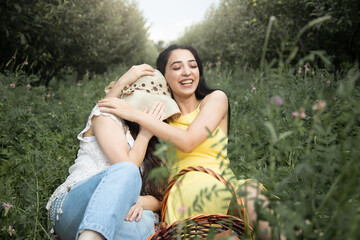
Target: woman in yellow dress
[(203, 111)]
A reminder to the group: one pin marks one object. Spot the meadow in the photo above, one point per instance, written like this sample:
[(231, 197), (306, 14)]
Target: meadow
[(289, 68), (295, 130)]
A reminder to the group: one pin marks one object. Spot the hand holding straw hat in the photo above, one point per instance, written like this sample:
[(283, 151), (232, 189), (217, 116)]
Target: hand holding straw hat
[(148, 90)]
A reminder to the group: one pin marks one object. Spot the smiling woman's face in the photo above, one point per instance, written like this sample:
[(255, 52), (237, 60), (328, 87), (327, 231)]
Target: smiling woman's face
[(182, 73)]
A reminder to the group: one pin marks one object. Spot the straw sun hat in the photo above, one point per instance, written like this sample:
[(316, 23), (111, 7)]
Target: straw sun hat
[(148, 90)]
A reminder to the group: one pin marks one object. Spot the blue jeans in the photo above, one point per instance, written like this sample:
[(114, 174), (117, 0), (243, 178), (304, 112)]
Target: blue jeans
[(101, 203)]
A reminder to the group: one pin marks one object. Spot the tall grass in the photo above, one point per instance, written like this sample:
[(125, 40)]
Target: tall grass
[(38, 144), (295, 130)]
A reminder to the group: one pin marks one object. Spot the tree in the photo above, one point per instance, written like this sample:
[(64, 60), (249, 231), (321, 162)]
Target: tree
[(235, 31), (48, 36)]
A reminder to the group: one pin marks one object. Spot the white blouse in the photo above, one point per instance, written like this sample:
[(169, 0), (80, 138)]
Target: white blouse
[(90, 158)]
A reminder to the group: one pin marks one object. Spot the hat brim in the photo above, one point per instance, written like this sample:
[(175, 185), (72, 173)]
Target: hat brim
[(142, 100)]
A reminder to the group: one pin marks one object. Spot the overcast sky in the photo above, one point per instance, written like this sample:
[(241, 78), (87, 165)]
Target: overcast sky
[(168, 19)]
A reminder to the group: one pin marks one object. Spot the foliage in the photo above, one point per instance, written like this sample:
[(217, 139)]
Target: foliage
[(49, 37), (294, 125), (309, 161), (235, 31), (38, 144)]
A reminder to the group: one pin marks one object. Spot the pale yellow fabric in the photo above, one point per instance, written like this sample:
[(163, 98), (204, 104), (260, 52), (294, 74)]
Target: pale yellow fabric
[(197, 192)]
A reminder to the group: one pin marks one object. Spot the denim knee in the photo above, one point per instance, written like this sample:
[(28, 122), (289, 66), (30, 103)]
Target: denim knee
[(117, 191), (137, 230), (128, 168)]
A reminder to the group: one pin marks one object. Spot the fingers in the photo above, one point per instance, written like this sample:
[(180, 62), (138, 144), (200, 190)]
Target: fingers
[(146, 73), (121, 108), (135, 212), (139, 215), (106, 106), (108, 110), (157, 110), (145, 70), (110, 102), (135, 72), (115, 106), (147, 67), (161, 113), (129, 214)]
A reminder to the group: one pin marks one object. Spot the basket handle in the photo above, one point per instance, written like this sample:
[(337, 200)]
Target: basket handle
[(241, 212)]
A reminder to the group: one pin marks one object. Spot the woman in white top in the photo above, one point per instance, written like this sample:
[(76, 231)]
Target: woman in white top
[(100, 197)]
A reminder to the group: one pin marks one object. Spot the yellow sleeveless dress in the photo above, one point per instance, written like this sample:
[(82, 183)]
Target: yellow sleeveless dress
[(197, 192)]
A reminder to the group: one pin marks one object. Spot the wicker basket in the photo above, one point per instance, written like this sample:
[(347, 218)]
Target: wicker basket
[(202, 225)]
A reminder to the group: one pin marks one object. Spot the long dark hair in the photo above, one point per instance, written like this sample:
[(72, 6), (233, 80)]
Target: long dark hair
[(202, 89), (150, 162)]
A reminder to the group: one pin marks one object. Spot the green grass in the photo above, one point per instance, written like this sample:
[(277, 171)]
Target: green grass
[(310, 163)]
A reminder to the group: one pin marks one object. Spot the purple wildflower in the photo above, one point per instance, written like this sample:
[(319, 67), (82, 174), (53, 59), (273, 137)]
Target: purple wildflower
[(7, 206), (300, 114), (276, 100), (11, 230), (319, 105)]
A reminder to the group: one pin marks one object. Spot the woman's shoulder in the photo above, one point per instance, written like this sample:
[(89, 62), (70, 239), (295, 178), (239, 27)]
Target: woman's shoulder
[(95, 113), (217, 96)]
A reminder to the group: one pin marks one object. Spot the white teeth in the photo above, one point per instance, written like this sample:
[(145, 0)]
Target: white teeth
[(186, 82)]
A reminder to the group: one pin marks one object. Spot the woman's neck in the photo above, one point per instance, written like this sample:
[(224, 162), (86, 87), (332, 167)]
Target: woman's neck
[(187, 105)]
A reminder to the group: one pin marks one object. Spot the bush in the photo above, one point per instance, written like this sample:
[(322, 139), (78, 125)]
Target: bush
[(296, 131), (49, 37), (236, 31), (38, 143)]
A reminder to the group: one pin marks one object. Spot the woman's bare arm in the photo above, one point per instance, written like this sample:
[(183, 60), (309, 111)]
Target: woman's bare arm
[(213, 111), (150, 202), (133, 74), (147, 202), (112, 139)]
